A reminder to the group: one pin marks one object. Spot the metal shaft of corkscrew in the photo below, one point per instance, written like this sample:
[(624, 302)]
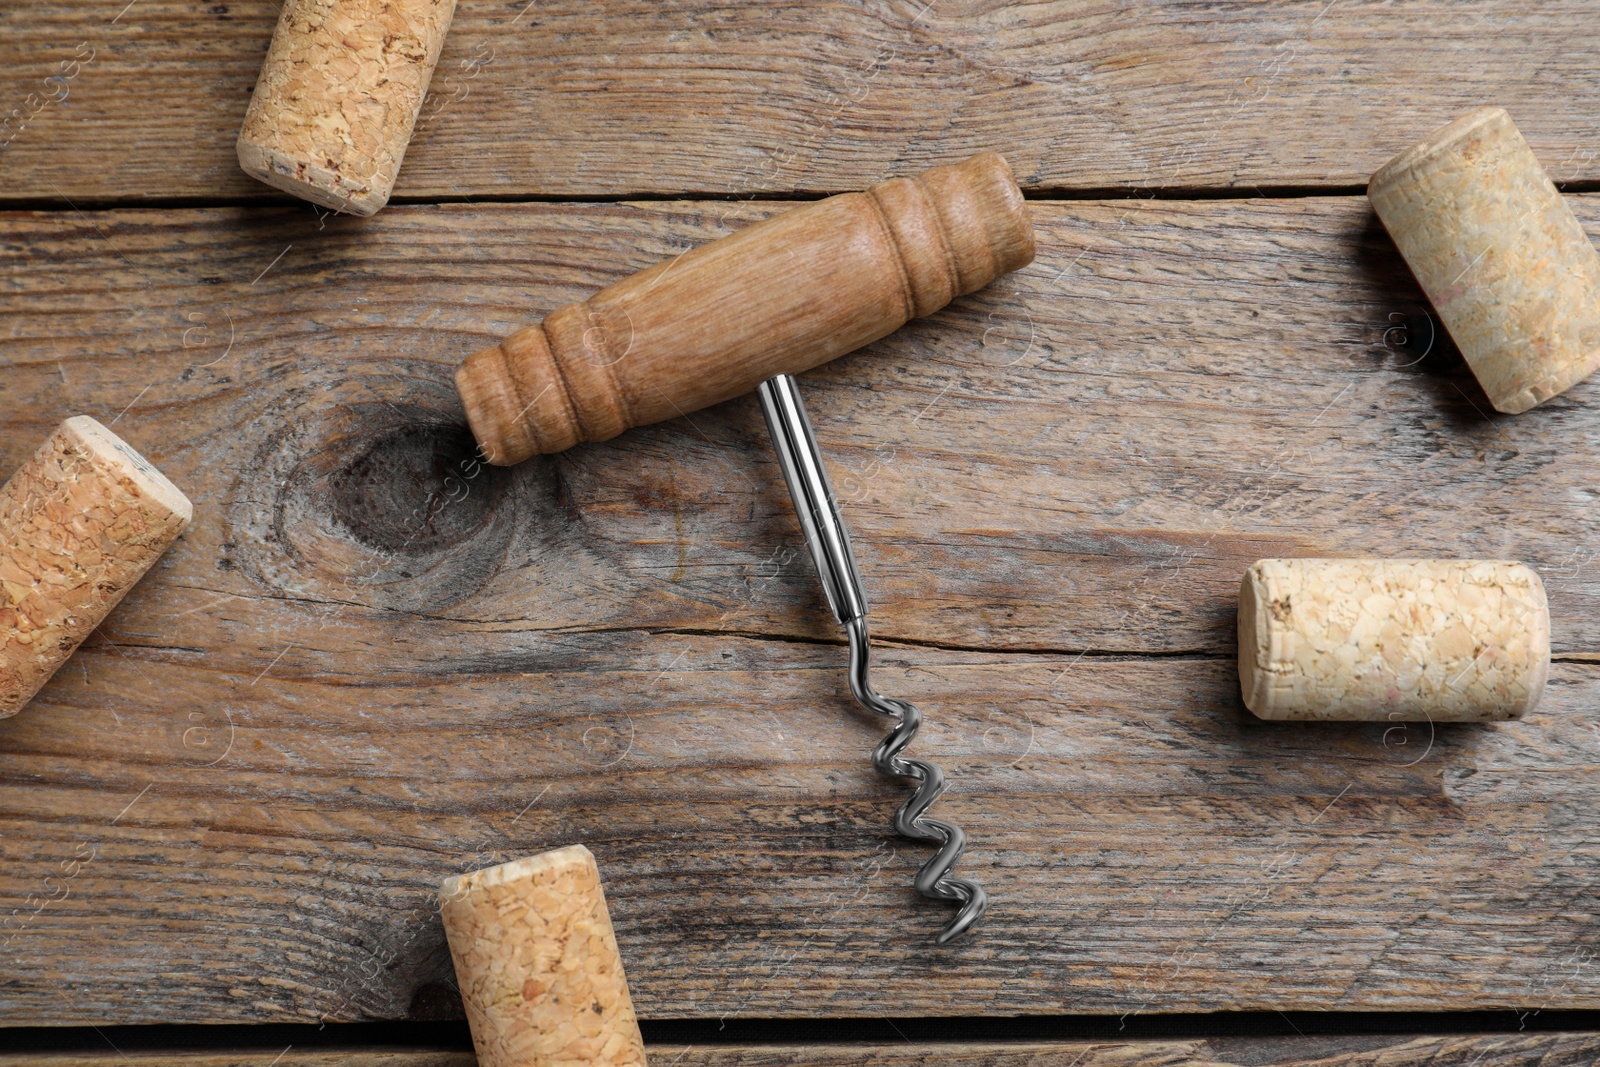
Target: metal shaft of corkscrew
[(829, 542)]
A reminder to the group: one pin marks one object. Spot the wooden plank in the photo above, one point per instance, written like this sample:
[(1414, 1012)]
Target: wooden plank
[(1469, 1050), (564, 99), (355, 676)]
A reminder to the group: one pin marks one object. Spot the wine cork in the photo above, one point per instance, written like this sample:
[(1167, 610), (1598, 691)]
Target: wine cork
[(538, 964), (80, 523), (1392, 640), (1498, 251), (339, 95)]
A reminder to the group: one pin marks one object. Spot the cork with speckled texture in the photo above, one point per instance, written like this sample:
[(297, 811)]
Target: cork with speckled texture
[(538, 964), (1500, 255), (1392, 640), (80, 523), (339, 95)]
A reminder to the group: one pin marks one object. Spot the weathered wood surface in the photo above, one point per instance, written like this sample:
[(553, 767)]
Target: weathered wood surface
[(365, 667), (1465, 1050), (566, 98)]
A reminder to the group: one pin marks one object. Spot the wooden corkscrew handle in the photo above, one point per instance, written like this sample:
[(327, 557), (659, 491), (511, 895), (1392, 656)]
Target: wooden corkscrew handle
[(778, 297)]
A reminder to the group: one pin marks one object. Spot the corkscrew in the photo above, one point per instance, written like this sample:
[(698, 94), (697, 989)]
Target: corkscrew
[(829, 542), (780, 296)]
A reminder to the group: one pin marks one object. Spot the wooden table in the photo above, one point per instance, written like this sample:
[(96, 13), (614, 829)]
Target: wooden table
[(369, 665)]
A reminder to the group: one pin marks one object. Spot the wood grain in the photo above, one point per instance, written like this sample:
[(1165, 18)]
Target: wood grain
[(1466, 1050), (355, 675), (562, 98)]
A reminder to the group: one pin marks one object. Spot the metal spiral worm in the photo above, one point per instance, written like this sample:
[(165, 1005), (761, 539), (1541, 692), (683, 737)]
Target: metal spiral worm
[(933, 880), (796, 446)]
